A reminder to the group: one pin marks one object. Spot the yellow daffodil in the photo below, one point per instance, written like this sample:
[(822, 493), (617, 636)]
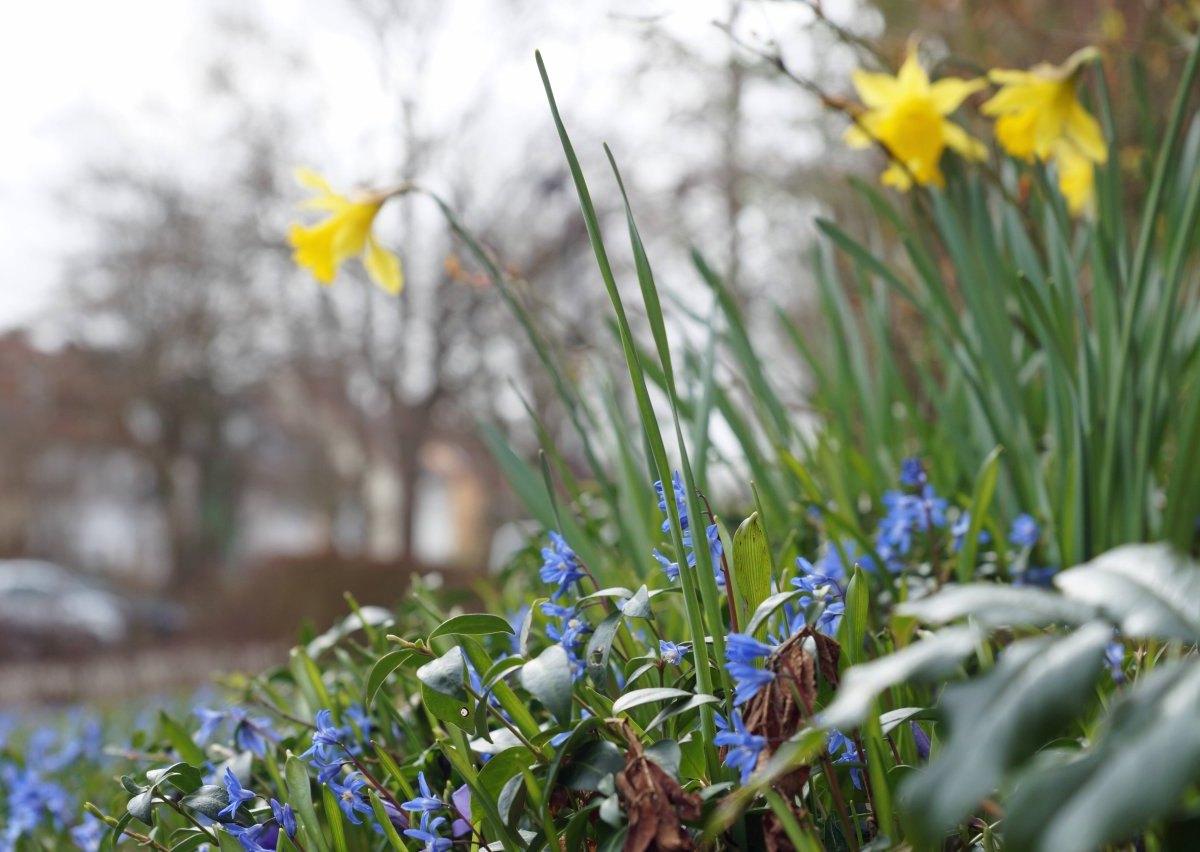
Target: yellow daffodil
[(323, 247), (1037, 109), (1076, 178), (907, 114), (1038, 116)]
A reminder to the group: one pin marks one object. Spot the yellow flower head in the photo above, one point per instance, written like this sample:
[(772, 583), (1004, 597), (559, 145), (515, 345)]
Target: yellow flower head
[(1037, 109), (323, 247), (907, 114), (1076, 179)]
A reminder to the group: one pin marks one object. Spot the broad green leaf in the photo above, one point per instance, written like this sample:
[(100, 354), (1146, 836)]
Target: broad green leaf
[(472, 624), (934, 657), (751, 564), (992, 605), (1148, 589), (638, 606), (667, 754), (590, 764), (598, 648), (548, 679), (998, 720), (383, 667), (648, 696), (141, 807), (208, 800), (854, 622), (445, 674)]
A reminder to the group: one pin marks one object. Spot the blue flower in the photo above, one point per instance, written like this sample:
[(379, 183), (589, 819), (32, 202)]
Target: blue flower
[(835, 569), (831, 617), (671, 569), (1024, 532), (671, 653), (681, 503), (1031, 576), (285, 817), (350, 797), (960, 529), (740, 648), (744, 747), (426, 801), (921, 740), (1114, 658), (715, 551), (89, 833), (237, 795), (256, 838), (912, 474), (748, 680), (839, 742), (852, 756), (251, 732), (210, 720), (560, 565), (427, 834)]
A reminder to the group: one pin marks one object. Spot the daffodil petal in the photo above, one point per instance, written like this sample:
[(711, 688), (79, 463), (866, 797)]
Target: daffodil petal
[(383, 267), (912, 78), (856, 137), (1084, 132), (963, 142), (948, 94), (314, 250), (876, 90), (309, 179)]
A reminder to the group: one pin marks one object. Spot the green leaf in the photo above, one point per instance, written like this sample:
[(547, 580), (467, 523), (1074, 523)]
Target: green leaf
[(333, 817), (208, 800), (993, 605), (985, 487), (638, 606), (998, 720), (445, 674), (141, 807), (751, 564), (548, 679), (667, 754), (679, 707), (758, 621), (934, 657), (385, 822), (651, 695), (180, 740), (599, 647), (473, 624), (299, 790), (590, 764), (503, 766), (1147, 589), (383, 667), (191, 842), (854, 624)]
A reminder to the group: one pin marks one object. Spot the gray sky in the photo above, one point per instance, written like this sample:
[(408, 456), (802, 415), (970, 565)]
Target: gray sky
[(116, 78)]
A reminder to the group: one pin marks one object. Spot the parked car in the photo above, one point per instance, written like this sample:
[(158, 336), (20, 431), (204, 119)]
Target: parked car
[(46, 609)]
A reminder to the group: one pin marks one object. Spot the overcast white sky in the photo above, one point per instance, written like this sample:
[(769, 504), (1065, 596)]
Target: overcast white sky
[(82, 78)]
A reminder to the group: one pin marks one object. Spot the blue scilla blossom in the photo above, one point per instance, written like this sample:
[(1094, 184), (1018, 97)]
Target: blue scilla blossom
[(1114, 658), (285, 817), (1024, 532), (237, 795), (920, 740), (715, 552), (831, 617), (461, 799), (427, 834), (560, 565), (810, 580), (912, 473), (251, 732), (1042, 577), (681, 502), (426, 801), (836, 742), (960, 529), (89, 833), (671, 569), (836, 568), (852, 755), (740, 648), (748, 679), (350, 797), (328, 739), (671, 653), (744, 747), (210, 720), (256, 838)]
